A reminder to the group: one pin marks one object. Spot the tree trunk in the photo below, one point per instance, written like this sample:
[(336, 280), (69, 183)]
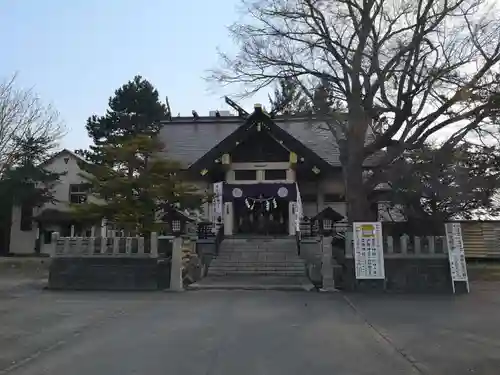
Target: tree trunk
[(358, 205)]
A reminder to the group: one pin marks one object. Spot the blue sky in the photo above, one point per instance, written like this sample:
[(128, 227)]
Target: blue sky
[(76, 53)]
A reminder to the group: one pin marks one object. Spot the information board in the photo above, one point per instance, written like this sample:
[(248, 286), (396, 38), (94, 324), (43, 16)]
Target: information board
[(456, 253), (217, 203), (368, 250)]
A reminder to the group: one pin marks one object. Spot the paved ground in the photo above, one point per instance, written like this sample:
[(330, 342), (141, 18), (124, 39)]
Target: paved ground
[(247, 332)]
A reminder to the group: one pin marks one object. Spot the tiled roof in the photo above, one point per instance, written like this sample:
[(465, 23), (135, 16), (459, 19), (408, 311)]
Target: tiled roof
[(187, 140)]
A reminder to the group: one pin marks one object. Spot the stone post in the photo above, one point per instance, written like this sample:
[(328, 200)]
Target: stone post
[(53, 243), (154, 245), (176, 266), (327, 265)]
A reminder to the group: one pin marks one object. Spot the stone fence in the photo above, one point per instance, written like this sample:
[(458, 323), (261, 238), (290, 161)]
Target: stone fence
[(104, 246), (411, 263), (406, 247), (116, 263)]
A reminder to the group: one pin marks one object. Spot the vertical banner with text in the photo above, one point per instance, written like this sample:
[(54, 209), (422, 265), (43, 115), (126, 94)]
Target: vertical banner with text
[(217, 205), (368, 250), (456, 254)]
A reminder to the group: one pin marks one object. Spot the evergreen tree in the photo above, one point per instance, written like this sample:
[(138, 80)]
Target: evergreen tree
[(138, 187), (290, 98), (441, 184), (27, 182), (134, 109)]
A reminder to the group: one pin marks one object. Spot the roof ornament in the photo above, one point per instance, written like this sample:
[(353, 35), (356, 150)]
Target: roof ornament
[(195, 115), (241, 112)]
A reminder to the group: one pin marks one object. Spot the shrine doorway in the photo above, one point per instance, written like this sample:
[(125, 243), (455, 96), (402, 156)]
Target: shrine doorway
[(261, 216)]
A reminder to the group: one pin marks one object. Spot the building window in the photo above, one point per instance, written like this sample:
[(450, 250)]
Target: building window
[(275, 174), (245, 174), (78, 193), (26, 217), (334, 198)]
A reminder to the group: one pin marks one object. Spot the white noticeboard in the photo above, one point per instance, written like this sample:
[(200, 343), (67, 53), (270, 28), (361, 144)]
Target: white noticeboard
[(368, 250), (456, 254), (217, 202)]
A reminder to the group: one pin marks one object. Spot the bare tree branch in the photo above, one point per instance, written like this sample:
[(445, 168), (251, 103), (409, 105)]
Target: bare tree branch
[(23, 115), (418, 66)]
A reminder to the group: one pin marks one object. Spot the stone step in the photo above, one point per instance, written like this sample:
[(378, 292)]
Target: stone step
[(220, 272), (260, 258), (257, 265), (217, 262), (252, 248), (243, 251), (253, 282)]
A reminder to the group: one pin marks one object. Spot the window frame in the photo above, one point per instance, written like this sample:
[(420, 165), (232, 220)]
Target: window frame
[(282, 178), (244, 171)]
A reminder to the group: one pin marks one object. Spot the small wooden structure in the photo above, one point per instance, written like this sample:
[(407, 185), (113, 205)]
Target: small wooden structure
[(176, 220), (325, 220)]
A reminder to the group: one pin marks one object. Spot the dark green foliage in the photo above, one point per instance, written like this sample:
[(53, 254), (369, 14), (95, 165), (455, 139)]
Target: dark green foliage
[(26, 182), (132, 194), (134, 109), (444, 184), (290, 98), (130, 180)]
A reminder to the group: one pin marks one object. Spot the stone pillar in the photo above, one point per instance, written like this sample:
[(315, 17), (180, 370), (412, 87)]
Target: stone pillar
[(292, 214), (327, 265), (53, 243), (104, 224), (176, 266), (228, 218)]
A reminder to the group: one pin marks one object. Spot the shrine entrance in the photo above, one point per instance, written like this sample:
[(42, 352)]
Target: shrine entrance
[(261, 216)]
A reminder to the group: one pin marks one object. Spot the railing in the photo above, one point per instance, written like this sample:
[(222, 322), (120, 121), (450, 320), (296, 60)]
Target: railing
[(219, 237), (104, 246), (205, 230), (406, 246)]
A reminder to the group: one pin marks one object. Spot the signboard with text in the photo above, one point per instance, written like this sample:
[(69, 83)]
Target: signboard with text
[(217, 204), (456, 253), (368, 250)]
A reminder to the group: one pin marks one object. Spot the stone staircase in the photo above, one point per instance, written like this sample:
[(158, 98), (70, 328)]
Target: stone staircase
[(262, 256)]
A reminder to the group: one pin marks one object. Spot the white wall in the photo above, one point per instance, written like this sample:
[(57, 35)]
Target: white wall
[(23, 242)]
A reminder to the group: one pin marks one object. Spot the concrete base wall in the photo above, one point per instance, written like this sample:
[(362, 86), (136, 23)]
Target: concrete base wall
[(93, 273), (426, 275)]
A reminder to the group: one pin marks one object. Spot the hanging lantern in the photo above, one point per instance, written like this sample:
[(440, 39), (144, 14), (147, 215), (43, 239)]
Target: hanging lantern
[(275, 204), (268, 206)]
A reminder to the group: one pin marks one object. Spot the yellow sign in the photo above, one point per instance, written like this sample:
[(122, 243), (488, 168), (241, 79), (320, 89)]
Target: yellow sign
[(368, 230)]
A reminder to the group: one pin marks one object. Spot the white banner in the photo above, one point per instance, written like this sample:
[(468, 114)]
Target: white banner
[(300, 212), (456, 254), (217, 203), (368, 250)]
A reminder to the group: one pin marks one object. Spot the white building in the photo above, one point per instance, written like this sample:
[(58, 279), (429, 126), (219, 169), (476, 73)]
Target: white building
[(32, 224)]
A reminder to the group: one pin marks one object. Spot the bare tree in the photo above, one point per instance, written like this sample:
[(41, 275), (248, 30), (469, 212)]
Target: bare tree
[(419, 67), (23, 116)]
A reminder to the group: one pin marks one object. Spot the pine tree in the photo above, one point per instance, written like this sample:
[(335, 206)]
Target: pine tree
[(144, 183), (134, 109)]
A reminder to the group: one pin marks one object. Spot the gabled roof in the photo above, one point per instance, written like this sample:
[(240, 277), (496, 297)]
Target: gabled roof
[(188, 140), (259, 121), (62, 153)]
